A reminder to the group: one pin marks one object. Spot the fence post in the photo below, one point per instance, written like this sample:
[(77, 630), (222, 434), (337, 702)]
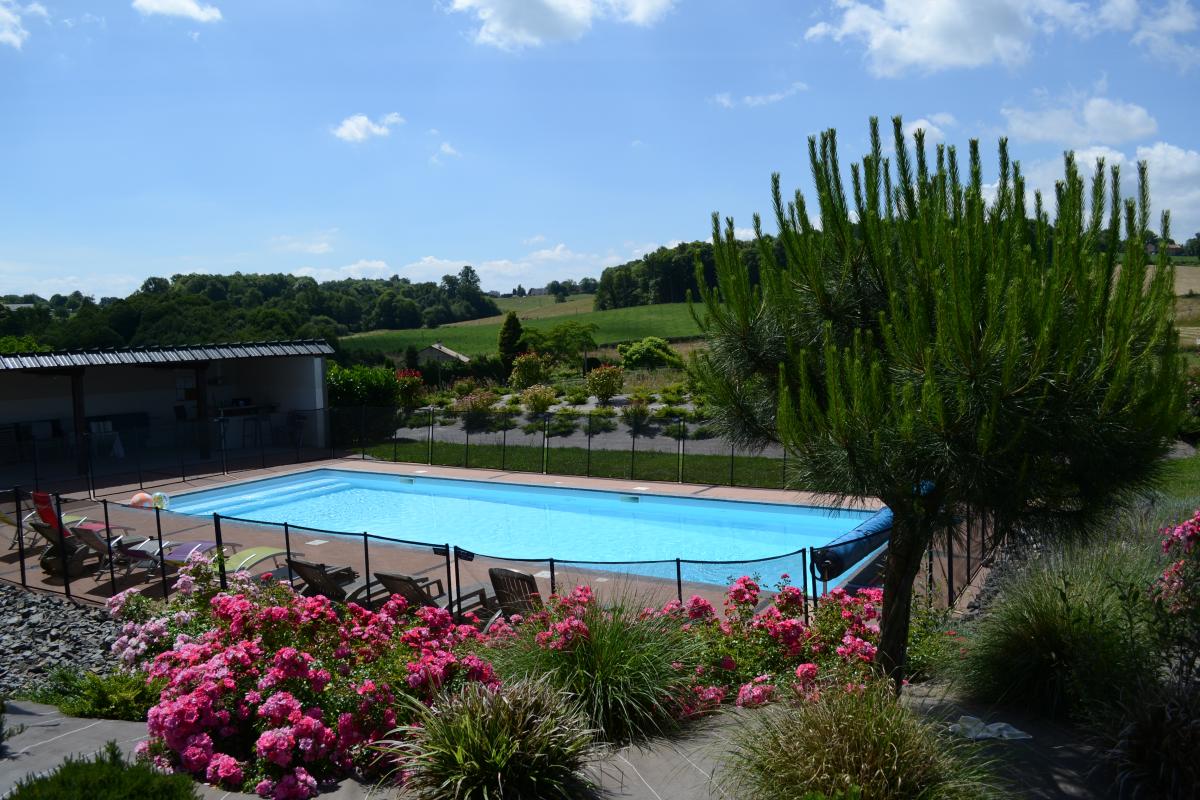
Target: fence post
[(588, 470), (949, 570), (969, 575), (553, 582), (112, 571), (678, 580), (223, 427), (731, 457), (429, 438), (20, 531), (287, 548), (466, 443), (503, 442), (394, 440), (62, 550), (91, 477), (220, 549), (162, 563), (632, 454), (545, 442), (679, 450), (37, 485), (449, 583), (362, 431), (804, 578), (367, 569), (683, 450), (457, 598), (262, 447), (783, 471)]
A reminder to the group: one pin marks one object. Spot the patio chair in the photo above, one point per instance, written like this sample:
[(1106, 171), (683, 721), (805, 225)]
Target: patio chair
[(59, 546), (246, 560), (340, 584), (178, 553), (46, 513), (127, 553), (420, 592), (26, 529), (516, 592)]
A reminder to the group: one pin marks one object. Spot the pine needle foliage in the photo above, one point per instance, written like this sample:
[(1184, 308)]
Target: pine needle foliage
[(928, 341)]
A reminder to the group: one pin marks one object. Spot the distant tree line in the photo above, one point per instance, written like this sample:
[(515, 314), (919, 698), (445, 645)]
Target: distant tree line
[(192, 309), (667, 274)]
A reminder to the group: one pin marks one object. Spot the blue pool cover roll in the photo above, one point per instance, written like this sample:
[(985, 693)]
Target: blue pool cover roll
[(853, 546)]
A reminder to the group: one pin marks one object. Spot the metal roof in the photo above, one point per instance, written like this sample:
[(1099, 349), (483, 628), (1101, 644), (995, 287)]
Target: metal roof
[(184, 354), (441, 348)]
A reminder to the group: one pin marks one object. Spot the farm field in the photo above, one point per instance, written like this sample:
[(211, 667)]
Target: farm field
[(668, 320)]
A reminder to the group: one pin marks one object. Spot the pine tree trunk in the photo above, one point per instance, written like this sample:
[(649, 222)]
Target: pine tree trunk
[(905, 552)]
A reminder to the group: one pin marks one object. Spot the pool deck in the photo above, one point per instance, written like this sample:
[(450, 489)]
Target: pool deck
[(380, 555)]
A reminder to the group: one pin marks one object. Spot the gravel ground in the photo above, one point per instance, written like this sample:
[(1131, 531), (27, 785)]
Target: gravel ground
[(39, 632)]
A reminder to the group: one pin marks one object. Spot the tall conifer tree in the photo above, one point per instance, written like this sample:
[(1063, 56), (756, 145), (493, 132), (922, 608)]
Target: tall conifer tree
[(510, 340), (947, 353)]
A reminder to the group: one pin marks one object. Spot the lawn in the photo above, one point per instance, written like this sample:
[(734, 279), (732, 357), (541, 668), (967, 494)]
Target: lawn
[(668, 320)]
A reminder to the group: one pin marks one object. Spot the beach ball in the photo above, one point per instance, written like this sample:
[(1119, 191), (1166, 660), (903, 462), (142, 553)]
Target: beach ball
[(141, 500), (161, 501)]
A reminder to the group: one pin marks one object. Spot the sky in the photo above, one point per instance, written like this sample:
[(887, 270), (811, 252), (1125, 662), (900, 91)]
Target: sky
[(532, 139)]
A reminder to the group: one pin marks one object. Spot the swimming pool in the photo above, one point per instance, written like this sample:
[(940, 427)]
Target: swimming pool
[(536, 522)]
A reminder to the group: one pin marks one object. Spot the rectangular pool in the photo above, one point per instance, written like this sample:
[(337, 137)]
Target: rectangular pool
[(537, 522)]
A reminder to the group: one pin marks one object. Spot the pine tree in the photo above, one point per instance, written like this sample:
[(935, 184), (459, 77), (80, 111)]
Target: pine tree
[(945, 354), (510, 340)]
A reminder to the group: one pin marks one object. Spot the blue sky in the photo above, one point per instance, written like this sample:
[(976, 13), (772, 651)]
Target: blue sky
[(533, 139)]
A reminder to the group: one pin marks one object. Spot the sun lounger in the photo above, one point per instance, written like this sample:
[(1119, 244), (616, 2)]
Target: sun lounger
[(25, 529), (247, 560), (516, 592), (420, 592), (341, 584), (178, 553)]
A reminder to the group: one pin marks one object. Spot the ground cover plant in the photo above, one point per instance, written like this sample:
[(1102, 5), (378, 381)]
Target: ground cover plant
[(117, 695)]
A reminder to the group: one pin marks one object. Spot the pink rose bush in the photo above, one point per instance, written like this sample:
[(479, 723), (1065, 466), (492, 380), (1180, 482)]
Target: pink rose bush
[(268, 691)]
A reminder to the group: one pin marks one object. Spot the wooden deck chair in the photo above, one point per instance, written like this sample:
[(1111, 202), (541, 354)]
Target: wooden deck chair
[(516, 592), (420, 592), (340, 584)]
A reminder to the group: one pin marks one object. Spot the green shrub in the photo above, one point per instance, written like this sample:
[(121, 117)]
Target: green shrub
[(114, 695), (933, 645), (674, 394), (529, 369), (636, 416), (577, 395), (106, 776), (862, 741), (351, 387), (564, 422), (523, 741), (650, 353), (621, 674), (538, 398), (1069, 630), (463, 387), (476, 409), (605, 382), (1156, 749), (602, 420)]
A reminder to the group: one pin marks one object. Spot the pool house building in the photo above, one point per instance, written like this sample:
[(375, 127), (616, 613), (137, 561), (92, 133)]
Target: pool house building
[(67, 416)]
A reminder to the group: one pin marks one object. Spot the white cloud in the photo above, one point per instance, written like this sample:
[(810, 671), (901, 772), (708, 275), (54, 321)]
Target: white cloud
[(932, 35), (933, 133), (726, 99), (445, 149), (636, 143), (515, 24), (1081, 121), (359, 127), (363, 268), (1160, 34), (12, 21), (535, 268), (943, 118), (191, 9), (314, 244), (1174, 174), (745, 234), (537, 238)]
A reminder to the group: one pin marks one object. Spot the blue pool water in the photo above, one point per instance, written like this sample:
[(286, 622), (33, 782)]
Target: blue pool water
[(534, 522)]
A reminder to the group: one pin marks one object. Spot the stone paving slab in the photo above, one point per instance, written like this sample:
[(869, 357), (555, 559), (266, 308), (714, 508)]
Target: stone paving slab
[(667, 770)]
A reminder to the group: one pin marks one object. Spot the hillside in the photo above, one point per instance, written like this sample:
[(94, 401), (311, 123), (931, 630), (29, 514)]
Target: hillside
[(540, 307), (669, 320)]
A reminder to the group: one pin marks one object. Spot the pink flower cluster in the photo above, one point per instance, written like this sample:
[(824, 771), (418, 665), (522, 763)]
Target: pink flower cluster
[(283, 691), (1177, 587)]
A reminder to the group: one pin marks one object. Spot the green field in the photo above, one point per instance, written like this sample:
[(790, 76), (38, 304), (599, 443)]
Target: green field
[(669, 320)]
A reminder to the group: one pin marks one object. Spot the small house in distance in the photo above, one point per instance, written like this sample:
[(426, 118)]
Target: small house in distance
[(440, 353)]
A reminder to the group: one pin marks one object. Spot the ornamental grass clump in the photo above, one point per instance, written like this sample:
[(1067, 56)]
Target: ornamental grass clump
[(1070, 630), (630, 672), (521, 742), (850, 741)]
